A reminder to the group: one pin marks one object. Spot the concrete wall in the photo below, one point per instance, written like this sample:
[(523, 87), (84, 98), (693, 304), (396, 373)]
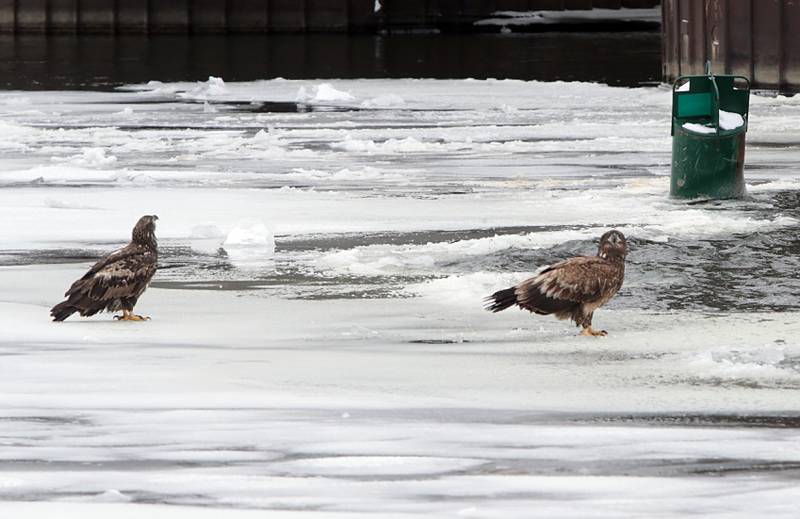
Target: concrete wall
[(752, 38), (259, 16)]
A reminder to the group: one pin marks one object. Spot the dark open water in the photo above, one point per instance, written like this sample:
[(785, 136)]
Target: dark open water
[(72, 62)]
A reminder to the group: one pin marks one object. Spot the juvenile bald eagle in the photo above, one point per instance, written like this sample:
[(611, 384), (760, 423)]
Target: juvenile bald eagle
[(573, 288), (116, 281)]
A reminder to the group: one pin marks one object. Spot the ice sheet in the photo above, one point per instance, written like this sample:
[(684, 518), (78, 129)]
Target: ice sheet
[(351, 370)]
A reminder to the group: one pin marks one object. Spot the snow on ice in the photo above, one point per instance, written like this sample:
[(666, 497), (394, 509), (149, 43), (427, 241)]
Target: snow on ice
[(318, 345)]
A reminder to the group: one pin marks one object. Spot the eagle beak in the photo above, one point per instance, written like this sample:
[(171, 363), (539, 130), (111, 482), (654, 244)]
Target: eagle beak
[(155, 217)]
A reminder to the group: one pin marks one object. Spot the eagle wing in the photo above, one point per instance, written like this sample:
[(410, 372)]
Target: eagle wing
[(576, 281), (122, 274)]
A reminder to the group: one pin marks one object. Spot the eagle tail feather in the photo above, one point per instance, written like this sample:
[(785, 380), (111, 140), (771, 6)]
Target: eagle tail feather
[(62, 310), (501, 300)]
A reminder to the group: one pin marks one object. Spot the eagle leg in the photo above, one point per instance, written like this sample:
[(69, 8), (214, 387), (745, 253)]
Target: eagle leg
[(127, 315), (591, 332)]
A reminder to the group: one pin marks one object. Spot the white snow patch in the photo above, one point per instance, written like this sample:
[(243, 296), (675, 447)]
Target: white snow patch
[(89, 158), (213, 87), (384, 101), (206, 231), (406, 145), (727, 121), (465, 290), (322, 93), (763, 364), (112, 496), (375, 465), (55, 203), (126, 113), (345, 175), (206, 238), (699, 128), (250, 242), (730, 120)]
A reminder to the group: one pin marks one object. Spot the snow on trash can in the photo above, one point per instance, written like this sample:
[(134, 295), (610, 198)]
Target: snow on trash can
[(709, 122)]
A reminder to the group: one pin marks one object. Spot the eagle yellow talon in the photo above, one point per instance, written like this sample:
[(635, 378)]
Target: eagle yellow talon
[(130, 316), (590, 332)]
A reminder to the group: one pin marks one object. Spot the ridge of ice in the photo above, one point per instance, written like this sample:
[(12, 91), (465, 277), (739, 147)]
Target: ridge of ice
[(322, 93), (90, 158)]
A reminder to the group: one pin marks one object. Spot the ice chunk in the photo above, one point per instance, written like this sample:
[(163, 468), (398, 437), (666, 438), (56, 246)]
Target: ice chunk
[(763, 364), (214, 86), (323, 93), (326, 93), (250, 242), (91, 158), (384, 101), (112, 496), (126, 113)]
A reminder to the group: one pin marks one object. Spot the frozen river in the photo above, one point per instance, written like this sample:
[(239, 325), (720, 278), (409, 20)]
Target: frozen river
[(353, 372)]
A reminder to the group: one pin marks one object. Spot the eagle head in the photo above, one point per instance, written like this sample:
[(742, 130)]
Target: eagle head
[(613, 245), (145, 230)]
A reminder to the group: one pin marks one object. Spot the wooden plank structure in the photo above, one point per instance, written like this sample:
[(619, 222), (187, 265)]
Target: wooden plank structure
[(261, 16), (752, 38)]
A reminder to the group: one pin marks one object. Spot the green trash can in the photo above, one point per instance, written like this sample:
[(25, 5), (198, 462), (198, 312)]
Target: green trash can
[(709, 122)]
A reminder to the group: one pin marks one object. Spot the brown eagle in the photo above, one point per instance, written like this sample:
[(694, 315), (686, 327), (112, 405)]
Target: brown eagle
[(573, 288), (116, 281)]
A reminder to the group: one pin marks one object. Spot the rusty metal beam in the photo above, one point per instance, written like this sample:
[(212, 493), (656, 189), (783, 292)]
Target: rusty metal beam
[(744, 37)]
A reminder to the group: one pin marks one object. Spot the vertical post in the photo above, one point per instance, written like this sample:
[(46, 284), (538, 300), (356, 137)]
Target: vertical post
[(8, 15), (208, 16), (96, 16), (247, 16), (63, 16), (791, 46), (287, 15), (671, 39), (32, 16), (739, 44), (169, 17), (361, 15), (699, 36), (716, 16), (326, 15), (767, 40), (132, 16)]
